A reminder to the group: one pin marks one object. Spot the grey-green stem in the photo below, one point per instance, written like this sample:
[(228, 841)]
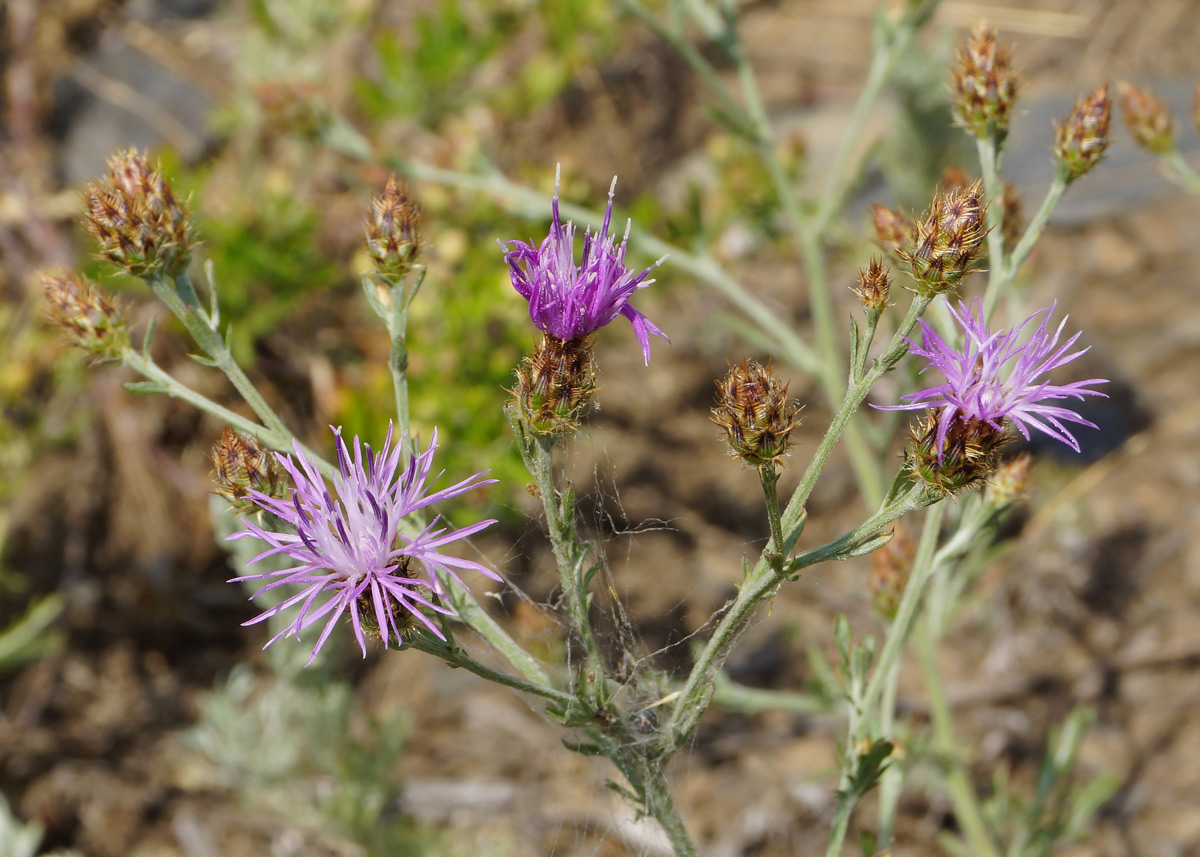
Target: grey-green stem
[(1000, 279)]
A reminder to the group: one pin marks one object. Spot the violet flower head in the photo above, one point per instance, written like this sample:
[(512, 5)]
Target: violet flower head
[(998, 376), (569, 301), (349, 552)]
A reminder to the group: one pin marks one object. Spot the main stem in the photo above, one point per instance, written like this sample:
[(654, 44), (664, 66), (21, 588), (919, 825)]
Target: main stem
[(570, 556)]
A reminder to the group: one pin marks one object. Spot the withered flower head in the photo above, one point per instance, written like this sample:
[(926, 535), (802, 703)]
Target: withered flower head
[(947, 239), (555, 385), (137, 220), (1009, 481), (1081, 138), (893, 230), (984, 84), (874, 282), (241, 465), (755, 413), (1148, 118), (393, 231), (87, 315)]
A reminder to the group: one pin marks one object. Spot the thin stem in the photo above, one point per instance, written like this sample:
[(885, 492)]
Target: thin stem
[(397, 326), (847, 800), (989, 166), (480, 621), (569, 554), (1187, 176), (180, 298), (697, 690), (456, 657), (769, 477), (168, 385), (1000, 280), (910, 599), (962, 792), (661, 805)]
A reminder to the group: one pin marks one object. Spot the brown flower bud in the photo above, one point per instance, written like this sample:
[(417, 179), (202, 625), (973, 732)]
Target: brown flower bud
[(1081, 138), (136, 219), (393, 232), (1008, 482), (241, 464), (755, 413), (1148, 118), (890, 568), (984, 85), (947, 239), (1014, 222), (893, 230), (969, 454), (556, 384), (87, 315), (874, 282)]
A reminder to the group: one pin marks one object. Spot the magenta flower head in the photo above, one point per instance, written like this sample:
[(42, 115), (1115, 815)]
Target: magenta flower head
[(569, 301), (999, 376), (349, 552)]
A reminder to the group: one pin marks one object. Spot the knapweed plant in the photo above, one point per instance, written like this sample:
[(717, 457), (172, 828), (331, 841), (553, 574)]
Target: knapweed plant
[(354, 546)]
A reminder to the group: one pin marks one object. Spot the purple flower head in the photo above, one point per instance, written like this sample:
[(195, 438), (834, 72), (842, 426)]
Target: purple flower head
[(569, 301), (349, 552), (996, 376)]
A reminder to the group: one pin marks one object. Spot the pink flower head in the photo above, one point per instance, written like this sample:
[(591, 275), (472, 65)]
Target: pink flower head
[(348, 547), (996, 376), (569, 301)]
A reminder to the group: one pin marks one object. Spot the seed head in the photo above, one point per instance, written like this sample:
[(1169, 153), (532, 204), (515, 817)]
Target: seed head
[(1081, 138), (984, 85), (893, 230), (137, 220), (393, 232), (874, 282), (755, 413), (555, 385), (947, 239), (1148, 118), (241, 465), (88, 316)]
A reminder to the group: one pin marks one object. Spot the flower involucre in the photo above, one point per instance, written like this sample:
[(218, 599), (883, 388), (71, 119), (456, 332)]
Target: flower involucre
[(569, 301), (348, 547), (999, 376)]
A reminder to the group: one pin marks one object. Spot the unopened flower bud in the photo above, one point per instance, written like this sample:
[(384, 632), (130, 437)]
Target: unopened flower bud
[(969, 453), (1148, 118), (556, 384), (947, 239), (874, 282), (890, 567), (1081, 138), (241, 464), (1008, 482), (393, 232), (755, 413), (136, 219), (87, 315), (893, 230), (984, 85)]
